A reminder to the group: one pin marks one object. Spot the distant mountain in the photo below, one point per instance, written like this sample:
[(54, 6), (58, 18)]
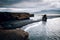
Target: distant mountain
[(48, 11)]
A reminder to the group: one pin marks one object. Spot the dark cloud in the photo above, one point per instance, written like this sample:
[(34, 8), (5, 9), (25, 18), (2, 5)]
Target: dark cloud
[(37, 5), (8, 2)]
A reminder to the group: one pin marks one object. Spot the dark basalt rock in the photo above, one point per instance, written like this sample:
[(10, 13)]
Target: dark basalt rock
[(44, 18), (11, 20), (6, 16)]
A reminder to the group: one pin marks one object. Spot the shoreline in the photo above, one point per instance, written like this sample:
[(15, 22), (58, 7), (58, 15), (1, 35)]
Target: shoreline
[(20, 24)]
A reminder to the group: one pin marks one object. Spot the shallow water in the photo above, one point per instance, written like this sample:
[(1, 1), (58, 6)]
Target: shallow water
[(49, 30)]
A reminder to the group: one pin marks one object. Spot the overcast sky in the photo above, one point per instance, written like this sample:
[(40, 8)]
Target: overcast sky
[(28, 5)]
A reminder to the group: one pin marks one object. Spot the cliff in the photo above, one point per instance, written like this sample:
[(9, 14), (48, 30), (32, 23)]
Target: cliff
[(6, 16), (13, 34)]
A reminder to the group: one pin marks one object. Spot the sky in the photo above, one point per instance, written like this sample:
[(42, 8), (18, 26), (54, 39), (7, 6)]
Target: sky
[(29, 5)]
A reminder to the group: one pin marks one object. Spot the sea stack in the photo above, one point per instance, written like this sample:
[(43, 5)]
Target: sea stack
[(44, 18)]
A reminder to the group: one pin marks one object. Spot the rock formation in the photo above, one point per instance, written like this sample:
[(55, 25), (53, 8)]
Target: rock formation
[(13, 34), (6, 16)]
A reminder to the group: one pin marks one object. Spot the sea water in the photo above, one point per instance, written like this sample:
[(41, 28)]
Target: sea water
[(49, 30)]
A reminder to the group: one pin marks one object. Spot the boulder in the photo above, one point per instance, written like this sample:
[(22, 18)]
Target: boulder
[(13, 34)]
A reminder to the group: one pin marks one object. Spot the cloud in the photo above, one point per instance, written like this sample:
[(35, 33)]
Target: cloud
[(33, 5), (8, 2), (36, 4), (18, 10), (33, 0)]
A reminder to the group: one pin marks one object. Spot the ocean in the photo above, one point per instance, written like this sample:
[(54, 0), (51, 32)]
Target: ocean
[(49, 30), (40, 30)]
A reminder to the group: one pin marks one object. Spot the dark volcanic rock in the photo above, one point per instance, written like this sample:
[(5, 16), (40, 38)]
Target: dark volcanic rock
[(12, 20), (13, 35), (6, 16)]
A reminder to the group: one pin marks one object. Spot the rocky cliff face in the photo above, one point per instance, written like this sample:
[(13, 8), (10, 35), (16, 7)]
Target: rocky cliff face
[(6, 16), (13, 34)]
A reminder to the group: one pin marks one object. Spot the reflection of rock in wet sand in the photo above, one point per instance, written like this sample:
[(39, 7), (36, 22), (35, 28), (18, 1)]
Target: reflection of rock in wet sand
[(49, 30)]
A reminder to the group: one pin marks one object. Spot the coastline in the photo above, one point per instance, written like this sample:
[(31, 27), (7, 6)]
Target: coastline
[(20, 23)]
